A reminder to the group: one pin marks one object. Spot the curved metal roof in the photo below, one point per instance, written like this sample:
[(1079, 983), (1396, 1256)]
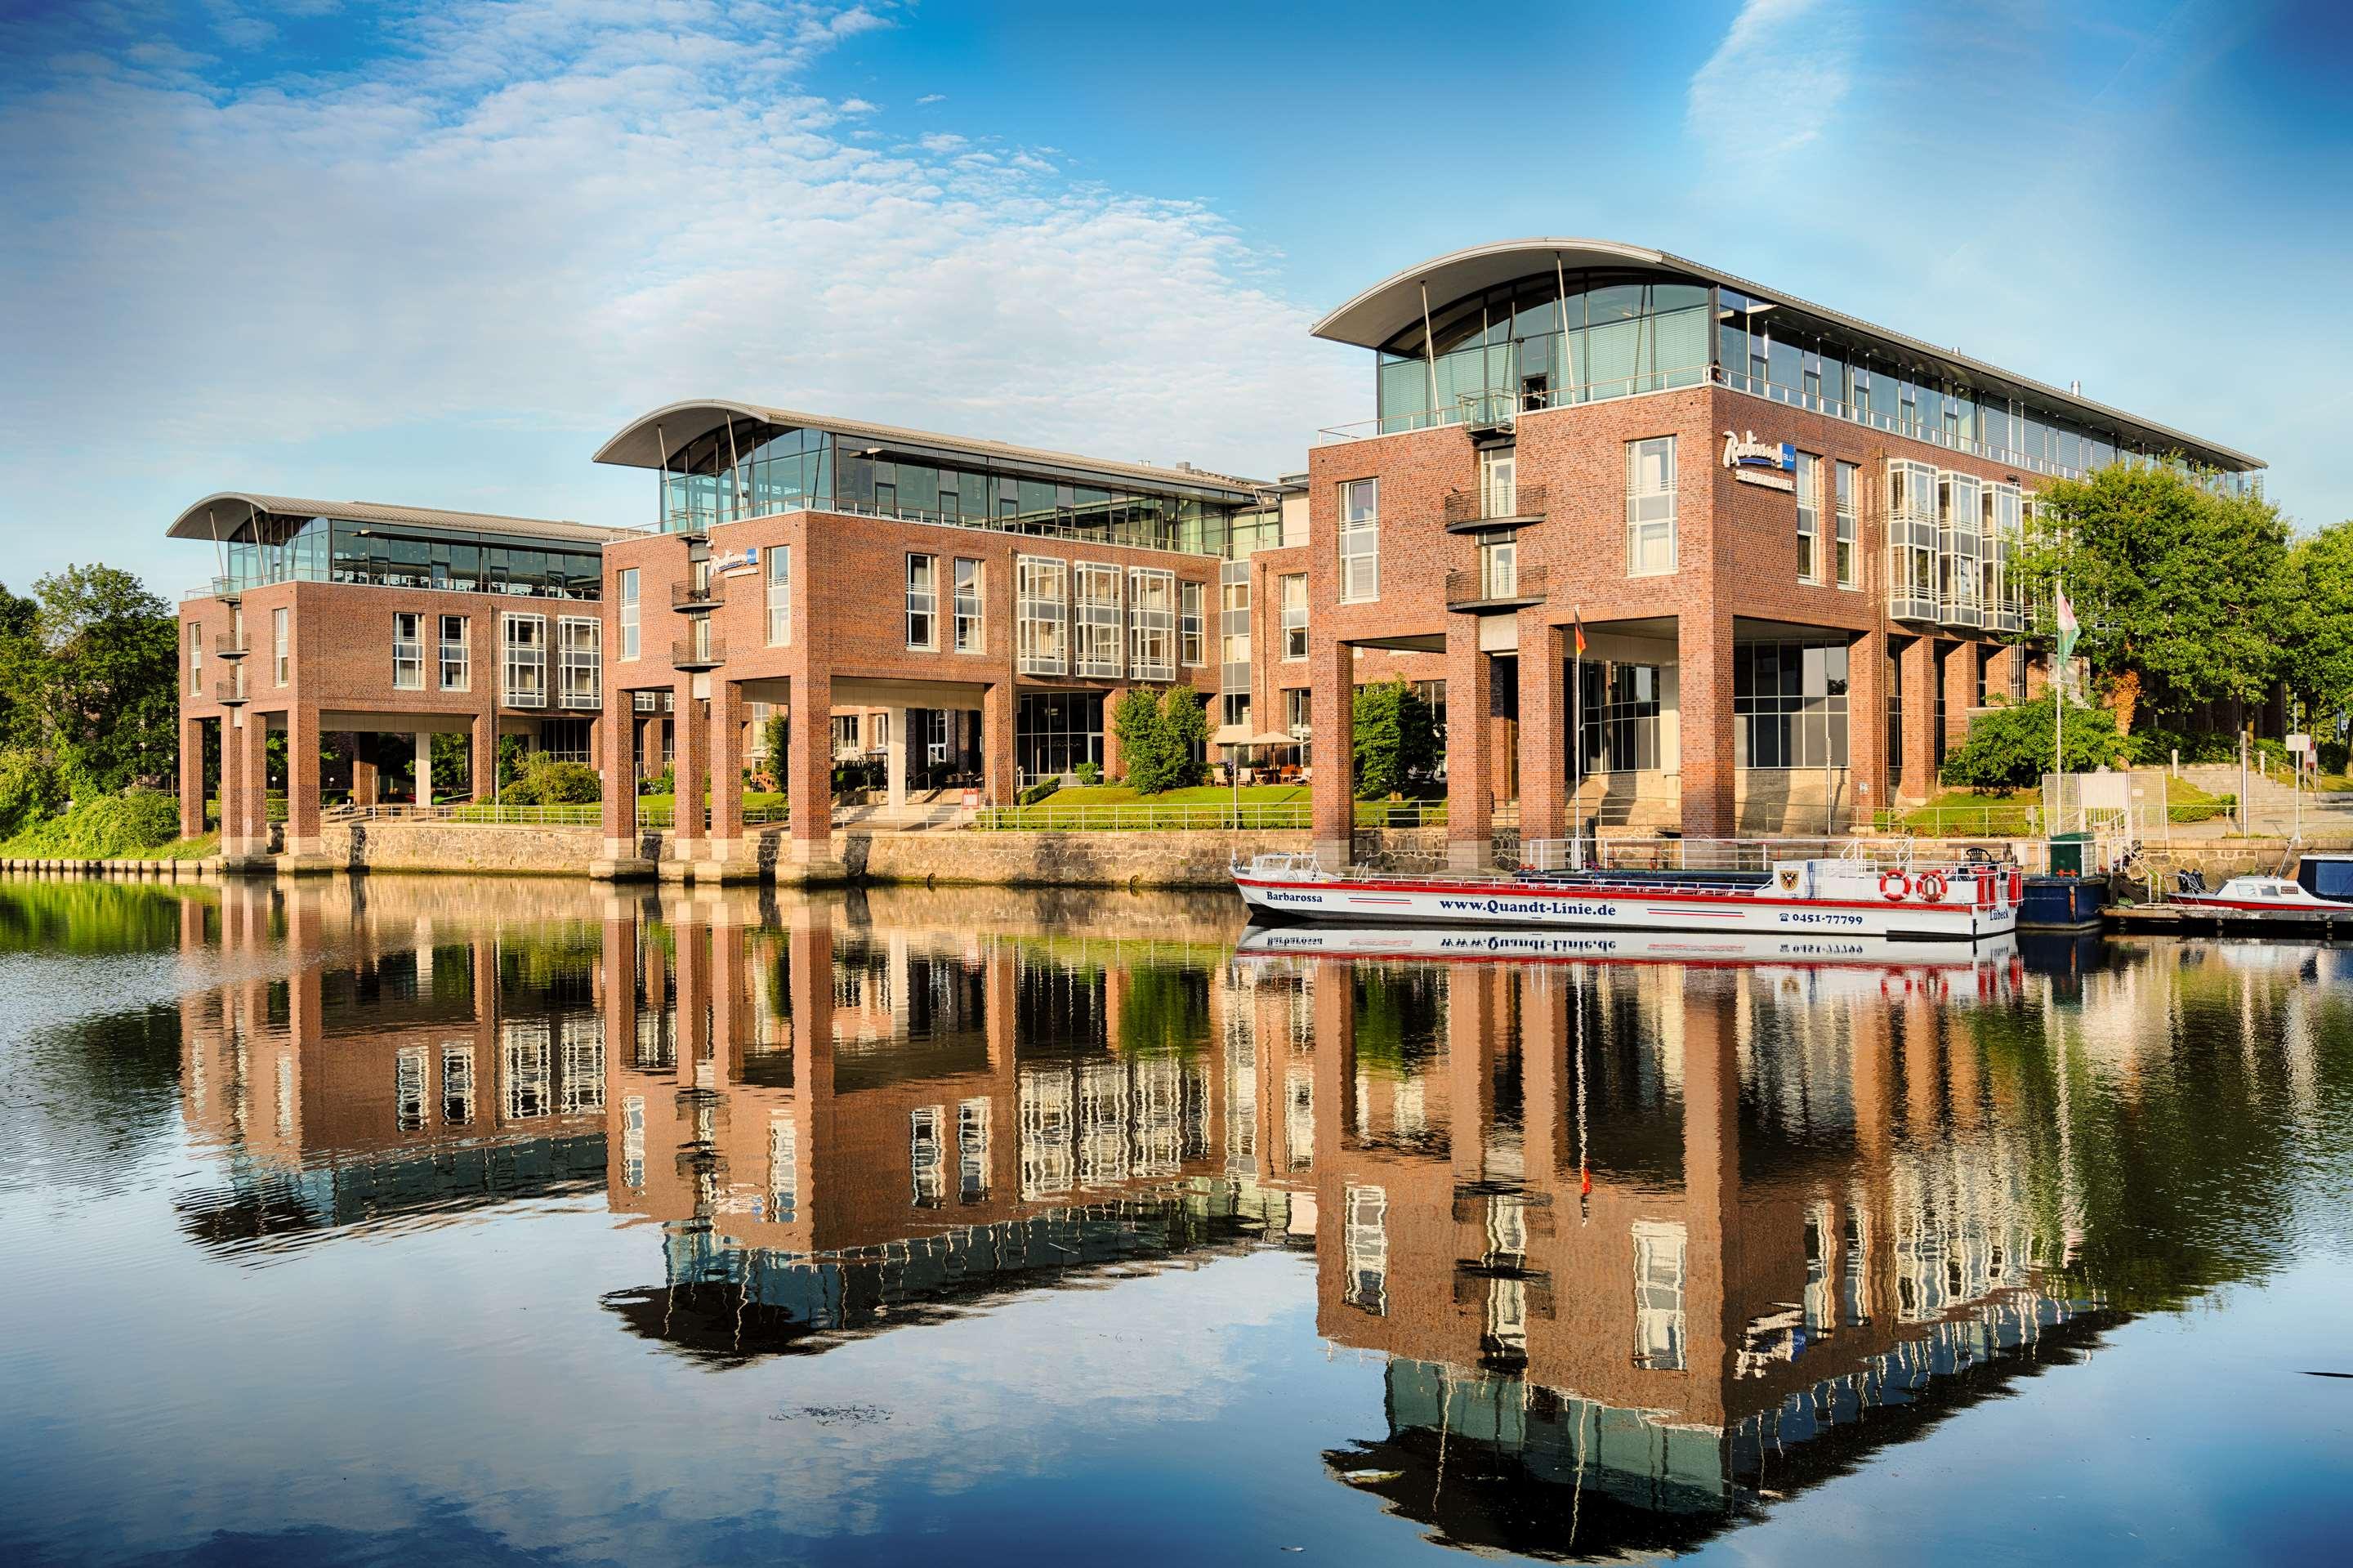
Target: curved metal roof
[(1394, 305), (217, 515), (647, 440)]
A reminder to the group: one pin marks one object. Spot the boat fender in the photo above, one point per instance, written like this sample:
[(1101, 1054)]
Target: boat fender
[(1894, 886), (1932, 886)]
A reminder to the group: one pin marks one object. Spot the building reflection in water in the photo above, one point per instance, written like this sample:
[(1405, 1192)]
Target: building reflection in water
[(1640, 1246)]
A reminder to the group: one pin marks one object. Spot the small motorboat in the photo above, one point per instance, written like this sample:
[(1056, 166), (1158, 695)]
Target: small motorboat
[(2275, 895), (1854, 894)]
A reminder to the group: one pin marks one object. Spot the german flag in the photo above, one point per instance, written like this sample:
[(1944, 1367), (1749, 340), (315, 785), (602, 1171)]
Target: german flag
[(1580, 634)]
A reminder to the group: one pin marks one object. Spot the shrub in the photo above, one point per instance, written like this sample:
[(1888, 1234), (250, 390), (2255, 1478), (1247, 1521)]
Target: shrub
[(1039, 790), (1184, 732), (548, 782), (2009, 747), (773, 739), (1090, 772), (30, 791), (1143, 744), (105, 826), (1393, 738), (662, 783)]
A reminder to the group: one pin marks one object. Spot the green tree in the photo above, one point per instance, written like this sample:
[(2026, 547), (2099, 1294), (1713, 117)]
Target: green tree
[(22, 669), (773, 738), (2009, 745), (2182, 593), (2319, 636), (1394, 739), (108, 682), (1143, 747), (1185, 724)]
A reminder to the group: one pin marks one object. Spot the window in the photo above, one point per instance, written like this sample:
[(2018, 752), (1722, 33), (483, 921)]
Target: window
[(968, 635), (526, 660), (1095, 622), (1365, 1249), (1651, 506), (1619, 708), (1960, 533), (457, 654), (845, 734), (922, 601), (280, 638), (1193, 625), (408, 1089), (1234, 628), (1234, 710), (1810, 518), (1895, 711), (1298, 704), (1152, 623), (1498, 488), (1054, 732), (626, 588), (458, 1085), (580, 670), (528, 1070), (1041, 590), (1847, 578), (1911, 540), (1658, 1296), (1294, 616), (972, 1151), (784, 1168), (196, 657), (1789, 705), (1499, 563), (1360, 541), (407, 650), (780, 595)]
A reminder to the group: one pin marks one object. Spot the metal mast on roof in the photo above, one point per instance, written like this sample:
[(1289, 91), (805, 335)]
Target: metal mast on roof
[(1429, 350)]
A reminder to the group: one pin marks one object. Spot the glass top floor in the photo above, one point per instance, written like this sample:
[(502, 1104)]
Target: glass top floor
[(1551, 340), (335, 550), (755, 470)]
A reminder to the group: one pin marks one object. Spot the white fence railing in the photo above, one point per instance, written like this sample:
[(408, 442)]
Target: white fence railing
[(1702, 854)]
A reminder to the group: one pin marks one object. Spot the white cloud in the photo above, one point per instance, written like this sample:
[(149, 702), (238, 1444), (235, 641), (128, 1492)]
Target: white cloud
[(857, 106), (931, 98), (549, 217), (1774, 82)]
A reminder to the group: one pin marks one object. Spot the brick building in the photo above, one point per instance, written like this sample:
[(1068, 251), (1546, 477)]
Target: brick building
[(377, 627), (1786, 532)]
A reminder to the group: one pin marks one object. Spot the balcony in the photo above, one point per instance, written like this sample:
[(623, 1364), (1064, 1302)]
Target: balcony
[(2009, 619), (1911, 602), (688, 599), (1505, 506), (1955, 610), (1491, 593), (229, 649), (697, 652), (229, 694)]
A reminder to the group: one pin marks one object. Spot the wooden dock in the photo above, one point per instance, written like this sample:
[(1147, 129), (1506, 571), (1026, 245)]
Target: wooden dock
[(2165, 917)]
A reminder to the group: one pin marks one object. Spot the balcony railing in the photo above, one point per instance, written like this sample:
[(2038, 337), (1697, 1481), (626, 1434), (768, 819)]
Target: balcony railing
[(692, 600), (1490, 589), (1955, 610), (1495, 507), (2005, 619), (697, 652), (229, 694), (229, 649)]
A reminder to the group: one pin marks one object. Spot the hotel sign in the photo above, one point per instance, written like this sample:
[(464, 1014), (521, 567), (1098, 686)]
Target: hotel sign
[(727, 563), (1773, 464)]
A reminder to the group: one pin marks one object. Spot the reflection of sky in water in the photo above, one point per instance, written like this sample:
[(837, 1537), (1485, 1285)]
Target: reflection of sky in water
[(1213, 1257)]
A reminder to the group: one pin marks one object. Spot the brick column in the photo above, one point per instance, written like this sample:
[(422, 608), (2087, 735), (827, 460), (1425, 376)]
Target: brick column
[(482, 755), (303, 780), (363, 779), (617, 757), (693, 946), (726, 772), (1704, 724), (810, 758), (1960, 692), (1919, 718), (1470, 749), (192, 777), (1866, 725), (1711, 1187), (997, 707), (1544, 728), (1114, 761), (1332, 724), (691, 753), (251, 827)]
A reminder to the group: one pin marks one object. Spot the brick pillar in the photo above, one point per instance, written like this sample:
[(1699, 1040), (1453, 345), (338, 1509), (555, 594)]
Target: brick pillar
[(618, 755), (1544, 728), (192, 777), (1114, 762), (617, 999), (482, 755), (1712, 1188), (364, 792), (303, 780), (252, 820), (1470, 748), (694, 946), (1919, 657), (232, 779), (1866, 725), (1960, 692), (730, 1004), (726, 772), (998, 706), (810, 753), (1704, 724), (691, 753), (1331, 720)]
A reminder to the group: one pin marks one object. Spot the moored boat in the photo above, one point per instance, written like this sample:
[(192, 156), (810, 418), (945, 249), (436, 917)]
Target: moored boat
[(1851, 895), (2308, 892)]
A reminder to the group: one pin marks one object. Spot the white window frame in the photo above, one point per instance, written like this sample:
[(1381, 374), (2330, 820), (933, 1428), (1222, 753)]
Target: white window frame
[(408, 1089), (1360, 541), (1810, 518), (778, 576), (1041, 625), (457, 1084), (1152, 623), (1097, 626), (1911, 540), (409, 652), (624, 594), (968, 603), (927, 1155), (1847, 479), (1651, 509), (528, 1057), (924, 602), (281, 644), (1193, 625), (195, 657), (454, 657), (525, 663), (579, 662), (1294, 616)]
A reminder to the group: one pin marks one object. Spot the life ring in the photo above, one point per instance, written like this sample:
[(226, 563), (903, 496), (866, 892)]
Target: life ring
[(1894, 886), (1932, 886)]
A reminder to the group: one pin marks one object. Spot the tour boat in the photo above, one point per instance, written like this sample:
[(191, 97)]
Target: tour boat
[(1415, 944), (1849, 895)]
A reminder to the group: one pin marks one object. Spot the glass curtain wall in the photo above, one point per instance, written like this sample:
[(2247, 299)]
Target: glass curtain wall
[(1789, 705), (324, 549)]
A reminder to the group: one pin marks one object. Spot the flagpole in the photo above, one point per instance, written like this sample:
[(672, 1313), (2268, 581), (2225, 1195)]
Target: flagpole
[(1576, 748)]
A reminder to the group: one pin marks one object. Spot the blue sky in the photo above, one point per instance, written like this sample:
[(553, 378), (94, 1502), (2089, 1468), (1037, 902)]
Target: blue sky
[(435, 252)]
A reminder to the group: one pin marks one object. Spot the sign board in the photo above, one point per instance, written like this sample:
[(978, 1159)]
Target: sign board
[(972, 797), (2299, 743), (1765, 477), (1746, 452), (727, 563)]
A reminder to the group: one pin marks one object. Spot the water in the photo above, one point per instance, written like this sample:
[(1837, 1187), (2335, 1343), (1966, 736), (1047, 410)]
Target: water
[(499, 1222)]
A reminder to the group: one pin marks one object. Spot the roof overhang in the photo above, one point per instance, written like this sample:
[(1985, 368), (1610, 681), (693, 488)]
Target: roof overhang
[(220, 514), (215, 517), (1395, 304)]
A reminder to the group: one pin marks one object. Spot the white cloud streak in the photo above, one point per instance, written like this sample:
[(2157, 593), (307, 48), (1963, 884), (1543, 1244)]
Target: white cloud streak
[(1773, 84)]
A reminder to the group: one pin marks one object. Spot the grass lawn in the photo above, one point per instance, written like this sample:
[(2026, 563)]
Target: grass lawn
[(1199, 794), (178, 849), (767, 799), (1263, 805), (1968, 812)]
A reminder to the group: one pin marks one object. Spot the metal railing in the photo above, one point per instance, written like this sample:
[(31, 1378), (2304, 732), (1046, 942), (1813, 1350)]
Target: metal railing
[(1702, 854), (1112, 535), (1993, 819), (686, 654), (1496, 505), (1483, 586), (686, 596), (230, 693), (1142, 816)]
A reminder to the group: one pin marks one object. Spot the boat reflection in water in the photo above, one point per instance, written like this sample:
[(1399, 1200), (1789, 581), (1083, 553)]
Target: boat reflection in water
[(1644, 1241)]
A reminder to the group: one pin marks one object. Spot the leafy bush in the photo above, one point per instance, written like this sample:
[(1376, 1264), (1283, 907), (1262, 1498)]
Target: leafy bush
[(104, 827), (662, 783), (1143, 744), (30, 791), (1393, 740), (1090, 771), (1041, 789), (548, 782), (2009, 747), (1184, 732), (773, 739)]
